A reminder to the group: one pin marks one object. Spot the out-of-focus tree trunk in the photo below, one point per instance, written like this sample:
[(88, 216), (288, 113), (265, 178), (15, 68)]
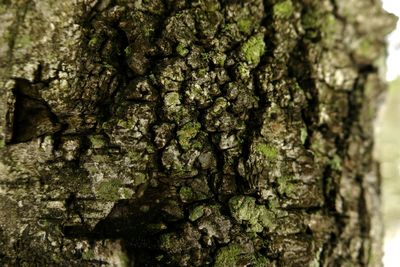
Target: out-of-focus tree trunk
[(190, 133)]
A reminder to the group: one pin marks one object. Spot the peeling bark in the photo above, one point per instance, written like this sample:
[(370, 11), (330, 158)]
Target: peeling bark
[(190, 133)]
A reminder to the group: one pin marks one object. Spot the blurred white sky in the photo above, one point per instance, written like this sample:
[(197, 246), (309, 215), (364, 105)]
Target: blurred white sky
[(393, 61), (392, 241)]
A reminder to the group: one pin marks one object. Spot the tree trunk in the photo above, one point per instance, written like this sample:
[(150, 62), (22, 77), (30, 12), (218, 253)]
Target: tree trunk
[(190, 133)]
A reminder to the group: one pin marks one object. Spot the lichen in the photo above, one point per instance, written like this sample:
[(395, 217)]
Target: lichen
[(253, 49)]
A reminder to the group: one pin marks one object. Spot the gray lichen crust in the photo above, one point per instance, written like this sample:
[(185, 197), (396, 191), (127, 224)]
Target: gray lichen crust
[(190, 133)]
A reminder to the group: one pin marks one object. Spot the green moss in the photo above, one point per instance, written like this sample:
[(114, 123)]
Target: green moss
[(244, 25), (124, 259), (182, 50), (148, 32), (128, 50), (108, 66), (23, 40), (366, 48), (253, 49), (244, 208), (283, 9), (336, 163), (159, 257), (220, 59), (244, 71), (186, 193), (219, 106), (150, 149), (210, 6), (2, 143), (3, 9), (172, 99), (88, 255), (187, 133), (228, 256), (260, 261), (228, 27), (93, 41), (109, 190), (125, 193), (268, 151), (140, 178), (285, 186), (205, 56), (311, 20), (329, 26), (303, 135), (156, 227), (97, 141), (166, 241), (196, 213)]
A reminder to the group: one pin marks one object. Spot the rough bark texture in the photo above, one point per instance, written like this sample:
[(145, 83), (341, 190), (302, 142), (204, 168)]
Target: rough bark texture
[(190, 133)]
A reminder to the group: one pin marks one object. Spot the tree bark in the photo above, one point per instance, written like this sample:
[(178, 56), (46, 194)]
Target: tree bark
[(190, 133)]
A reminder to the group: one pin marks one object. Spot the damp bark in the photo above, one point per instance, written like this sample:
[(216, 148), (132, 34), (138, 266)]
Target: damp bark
[(190, 133)]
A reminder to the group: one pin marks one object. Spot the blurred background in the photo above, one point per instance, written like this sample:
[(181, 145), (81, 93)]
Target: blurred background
[(387, 146)]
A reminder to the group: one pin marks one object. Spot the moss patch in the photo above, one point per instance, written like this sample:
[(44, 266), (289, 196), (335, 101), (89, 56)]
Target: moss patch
[(88, 255), (244, 25), (244, 208), (283, 9), (186, 193), (182, 50), (128, 51), (336, 163), (93, 41), (187, 133), (228, 256), (268, 151), (285, 186), (253, 49), (303, 135), (196, 213), (172, 99), (97, 141), (109, 190)]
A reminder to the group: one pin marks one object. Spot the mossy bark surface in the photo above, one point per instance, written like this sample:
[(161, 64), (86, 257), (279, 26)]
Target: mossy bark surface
[(190, 133)]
